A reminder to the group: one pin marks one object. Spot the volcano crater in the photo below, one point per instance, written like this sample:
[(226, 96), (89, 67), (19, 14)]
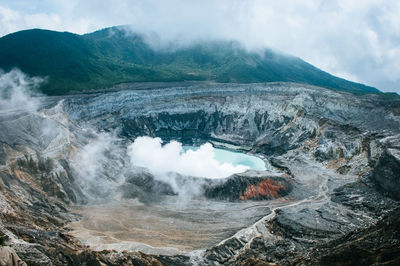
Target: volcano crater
[(323, 152)]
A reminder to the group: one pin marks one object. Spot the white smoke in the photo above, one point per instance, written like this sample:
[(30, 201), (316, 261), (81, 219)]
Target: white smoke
[(99, 165), (162, 159), (17, 91), (91, 158)]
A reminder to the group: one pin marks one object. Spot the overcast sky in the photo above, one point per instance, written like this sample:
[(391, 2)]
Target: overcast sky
[(355, 39)]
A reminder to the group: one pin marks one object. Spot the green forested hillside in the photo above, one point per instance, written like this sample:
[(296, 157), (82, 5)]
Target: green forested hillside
[(110, 56)]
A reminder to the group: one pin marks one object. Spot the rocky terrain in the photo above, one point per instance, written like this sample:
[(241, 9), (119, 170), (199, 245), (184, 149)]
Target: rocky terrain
[(330, 195)]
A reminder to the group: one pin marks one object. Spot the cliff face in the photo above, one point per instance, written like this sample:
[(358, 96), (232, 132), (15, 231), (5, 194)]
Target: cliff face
[(338, 154), (386, 172)]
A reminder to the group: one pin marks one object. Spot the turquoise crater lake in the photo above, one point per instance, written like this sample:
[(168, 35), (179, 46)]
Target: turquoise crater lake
[(235, 158), (200, 161)]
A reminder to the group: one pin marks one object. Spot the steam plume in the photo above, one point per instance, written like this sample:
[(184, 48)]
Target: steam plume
[(160, 160), (17, 91)]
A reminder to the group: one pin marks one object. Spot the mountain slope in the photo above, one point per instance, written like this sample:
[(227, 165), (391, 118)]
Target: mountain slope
[(110, 56)]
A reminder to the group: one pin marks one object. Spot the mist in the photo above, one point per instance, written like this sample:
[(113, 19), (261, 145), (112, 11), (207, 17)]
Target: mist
[(162, 159), (99, 165), (97, 161), (18, 91)]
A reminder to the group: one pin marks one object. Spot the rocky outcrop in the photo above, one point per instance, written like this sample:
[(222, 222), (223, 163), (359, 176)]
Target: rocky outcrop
[(376, 245), (249, 186), (325, 235), (387, 170), (8, 257), (141, 184)]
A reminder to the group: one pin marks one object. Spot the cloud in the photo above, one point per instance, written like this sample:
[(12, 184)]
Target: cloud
[(162, 159), (353, 39), (17, 91)]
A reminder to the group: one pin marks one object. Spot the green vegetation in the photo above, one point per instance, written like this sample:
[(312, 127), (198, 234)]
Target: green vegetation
[(2, 240), (111, 56), (31, 263), (390, 96)]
